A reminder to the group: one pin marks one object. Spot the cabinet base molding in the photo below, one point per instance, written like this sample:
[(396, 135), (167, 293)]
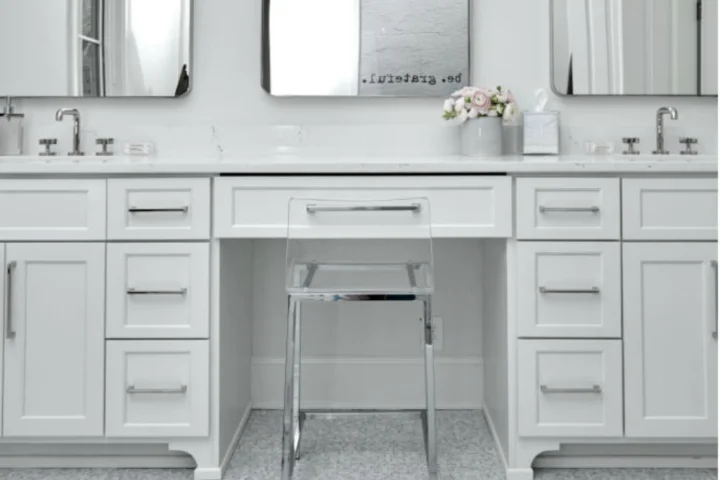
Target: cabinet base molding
[(625, 461)]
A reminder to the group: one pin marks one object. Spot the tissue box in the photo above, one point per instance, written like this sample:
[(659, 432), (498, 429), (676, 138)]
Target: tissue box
[(542, 133)]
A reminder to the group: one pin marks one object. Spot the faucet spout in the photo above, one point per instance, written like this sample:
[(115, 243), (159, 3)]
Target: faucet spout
[(59, 115), (660, 127)]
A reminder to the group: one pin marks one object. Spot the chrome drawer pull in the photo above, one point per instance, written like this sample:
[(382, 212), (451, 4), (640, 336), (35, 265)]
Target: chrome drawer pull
[(184, 209), (133, 390), (593, 209), (592, 290), (594, 389), (714, 265), (9, 332), (133, 291), (415, 207)]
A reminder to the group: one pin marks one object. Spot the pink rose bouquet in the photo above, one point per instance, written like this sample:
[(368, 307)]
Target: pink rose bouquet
[(473, 102)]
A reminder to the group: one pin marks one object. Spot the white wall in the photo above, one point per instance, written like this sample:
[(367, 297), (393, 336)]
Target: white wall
[(34, 43), (510, 47)]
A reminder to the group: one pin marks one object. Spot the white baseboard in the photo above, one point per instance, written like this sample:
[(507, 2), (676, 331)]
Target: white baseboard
[(496, 439), (626, 461), (370, 382), (236, 438)]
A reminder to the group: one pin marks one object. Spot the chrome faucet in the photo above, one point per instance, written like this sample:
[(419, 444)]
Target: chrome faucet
[(59, 115), (660, 128)]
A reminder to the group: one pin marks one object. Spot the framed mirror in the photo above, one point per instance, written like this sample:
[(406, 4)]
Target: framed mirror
[(365, 47), (95, 48), (634, 47)]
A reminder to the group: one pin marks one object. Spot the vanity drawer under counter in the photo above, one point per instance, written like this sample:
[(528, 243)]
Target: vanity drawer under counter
[(570, 388), (56, 209), (158, 290), (568, 208), (157, 388), (159, 209), (459, 206), (670, 209), (569, 289)]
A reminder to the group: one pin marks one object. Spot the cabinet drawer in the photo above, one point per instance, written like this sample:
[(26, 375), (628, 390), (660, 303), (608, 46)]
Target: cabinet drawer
[(52, 210), (569, 289), (670, 209), (157, 388), (460, 206), (159, 209), (158, 290), (568, 208), (570, 388)]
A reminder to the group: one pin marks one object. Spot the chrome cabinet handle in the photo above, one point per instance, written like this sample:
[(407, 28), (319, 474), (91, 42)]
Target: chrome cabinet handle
[(593, 389), (133, 390), (592, 290), (415, 207), (184, 209), (593, 209), (9, 333), (134, 291), (714, 266)]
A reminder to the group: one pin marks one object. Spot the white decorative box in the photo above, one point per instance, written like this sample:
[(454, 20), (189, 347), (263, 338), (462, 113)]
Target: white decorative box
[(542, 133)]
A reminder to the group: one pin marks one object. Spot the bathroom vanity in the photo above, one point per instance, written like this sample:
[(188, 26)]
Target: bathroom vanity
[(128, 287)]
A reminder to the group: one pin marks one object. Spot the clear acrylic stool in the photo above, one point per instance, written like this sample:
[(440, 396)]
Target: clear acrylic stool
[(322, 236)]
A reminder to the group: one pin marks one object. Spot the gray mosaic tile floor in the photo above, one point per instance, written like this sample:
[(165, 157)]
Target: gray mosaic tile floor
[(365, 448)]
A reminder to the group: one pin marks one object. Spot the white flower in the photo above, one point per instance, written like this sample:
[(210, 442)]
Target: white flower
[(511, 112), (500, 107), (463, 116), (493, 113), (448, 106), (501, 97), (464, 92), (474, 113), (460, 105)]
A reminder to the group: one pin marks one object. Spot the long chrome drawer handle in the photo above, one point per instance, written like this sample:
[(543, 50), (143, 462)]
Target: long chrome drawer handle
[(593, 209), (9, 333), (184, 209), (133, 390), (592, 290), (714, 265), (134, 291), (593, 389), (415, 207)]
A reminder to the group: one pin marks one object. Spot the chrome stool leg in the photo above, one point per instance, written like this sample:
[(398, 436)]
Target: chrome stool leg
[(288, 437), (298, 416), (429, 417)]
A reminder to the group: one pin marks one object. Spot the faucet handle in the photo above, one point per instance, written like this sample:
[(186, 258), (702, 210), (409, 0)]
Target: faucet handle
[(689, 142), (631, 142), (48, 143), (105, 142)]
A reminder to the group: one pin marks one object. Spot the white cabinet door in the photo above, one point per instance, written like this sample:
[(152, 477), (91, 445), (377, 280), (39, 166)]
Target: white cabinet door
[(670, 320), (54, 340), (3, 300)]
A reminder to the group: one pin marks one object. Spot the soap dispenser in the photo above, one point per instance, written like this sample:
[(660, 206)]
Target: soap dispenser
[(11, 130)]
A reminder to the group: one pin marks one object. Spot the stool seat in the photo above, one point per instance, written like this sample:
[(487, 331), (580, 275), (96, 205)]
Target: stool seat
[(370, 279)]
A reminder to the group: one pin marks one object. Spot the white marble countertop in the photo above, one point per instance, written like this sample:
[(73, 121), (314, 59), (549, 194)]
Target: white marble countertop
[(329, 164)]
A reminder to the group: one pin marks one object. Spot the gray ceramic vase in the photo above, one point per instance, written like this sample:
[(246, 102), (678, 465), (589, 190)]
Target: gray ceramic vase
[(482, 137)]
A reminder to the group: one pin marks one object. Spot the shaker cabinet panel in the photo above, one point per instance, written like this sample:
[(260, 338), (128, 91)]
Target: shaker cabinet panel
[(54, 339), (670, 337)]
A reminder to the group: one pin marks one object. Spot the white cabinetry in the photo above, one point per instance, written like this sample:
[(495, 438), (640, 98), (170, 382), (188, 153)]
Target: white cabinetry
[(54, 327), (670, 318)]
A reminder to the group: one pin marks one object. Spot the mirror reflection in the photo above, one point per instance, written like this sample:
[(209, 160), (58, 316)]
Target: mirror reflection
[(365, 47), (635, 47), (95, 48)]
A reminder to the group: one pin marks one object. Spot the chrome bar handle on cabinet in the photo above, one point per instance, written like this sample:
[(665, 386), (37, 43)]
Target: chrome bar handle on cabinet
[(593, 209), (134, 291), (184, 209), (415, 207), (592, 290), (9, 333), (593, 389), (133, 390), (714, 265)]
